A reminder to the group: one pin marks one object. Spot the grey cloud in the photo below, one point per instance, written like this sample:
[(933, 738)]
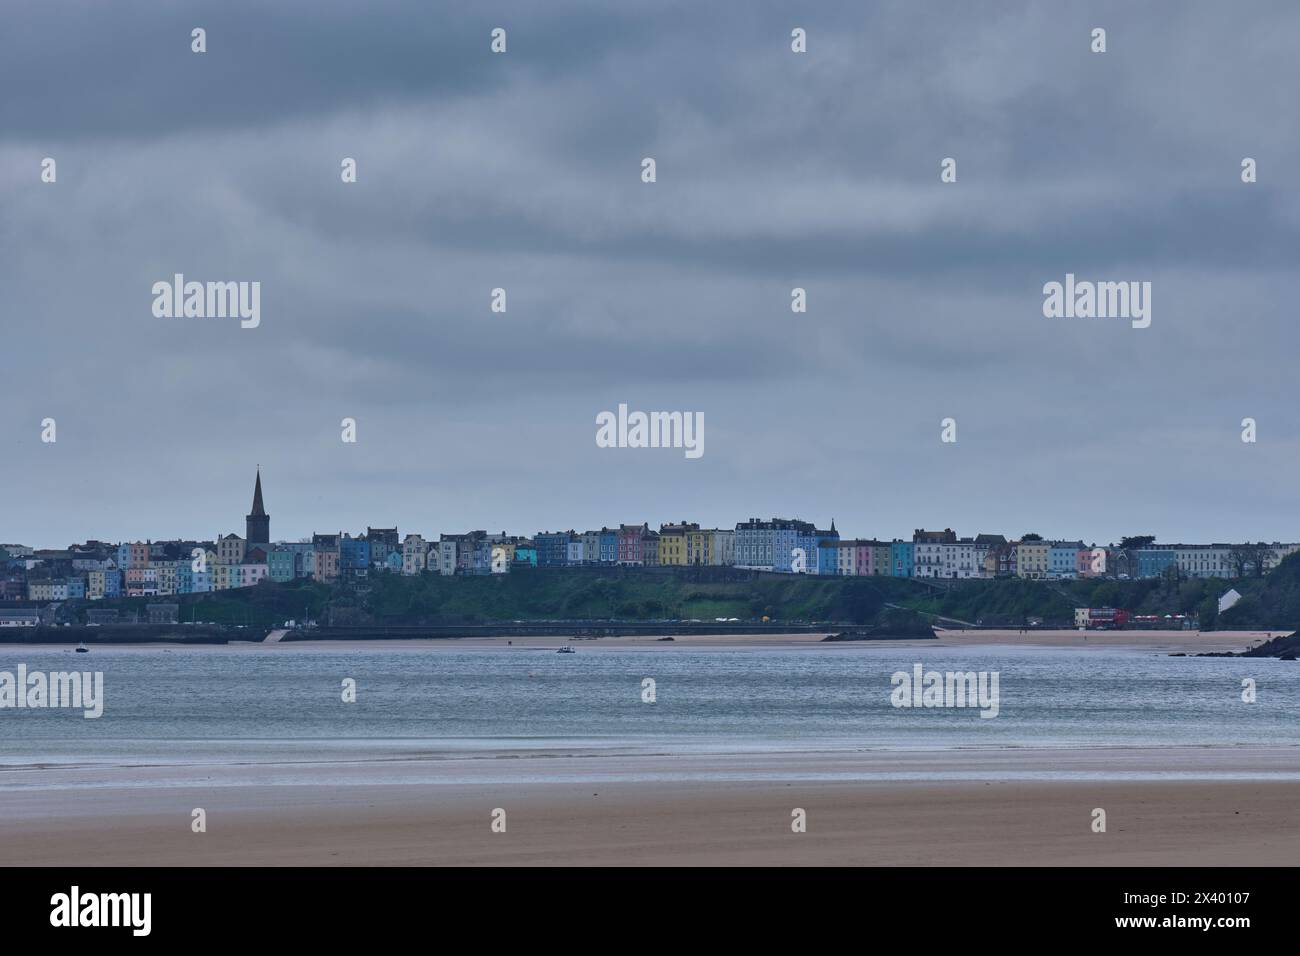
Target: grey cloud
[(521, 171)]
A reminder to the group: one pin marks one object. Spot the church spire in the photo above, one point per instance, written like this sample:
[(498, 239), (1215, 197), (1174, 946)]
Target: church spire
[(258, 510), (257, 525)]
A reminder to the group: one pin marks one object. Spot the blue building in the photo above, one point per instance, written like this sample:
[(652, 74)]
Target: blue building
[(481, 557), (1152, 562), (785, 537), (303, 555), (188, 581), (281, 565), (608, 546), (553, 548), (827, 552), (1063, 559), (753, 544), (828, 556), (902, 558), (354, 555)]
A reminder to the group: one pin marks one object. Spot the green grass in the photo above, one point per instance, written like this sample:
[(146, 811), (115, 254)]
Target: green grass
[(709, 593)]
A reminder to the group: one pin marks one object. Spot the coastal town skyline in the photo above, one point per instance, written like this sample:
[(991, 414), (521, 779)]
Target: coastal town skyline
[(146, 568), (257, 531)]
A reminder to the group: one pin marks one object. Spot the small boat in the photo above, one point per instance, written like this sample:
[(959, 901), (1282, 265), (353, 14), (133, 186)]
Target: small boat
[(82, 648), (566, 649)]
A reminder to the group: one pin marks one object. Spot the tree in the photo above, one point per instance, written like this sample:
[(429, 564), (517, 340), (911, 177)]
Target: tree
[(1127, 555), (1208, 614), (1250, 559), (1031, 537)]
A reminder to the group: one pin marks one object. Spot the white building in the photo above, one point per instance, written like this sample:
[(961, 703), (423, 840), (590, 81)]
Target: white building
[(946, 559), (415, 551), (1279, 551), (722, 549), (1229, 598), (846, 552), (47, 591), (447, 555), (1204, 560)]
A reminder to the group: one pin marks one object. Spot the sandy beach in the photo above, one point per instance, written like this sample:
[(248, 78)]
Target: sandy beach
[(1232, 807), (1167, 642), (1170, 642)]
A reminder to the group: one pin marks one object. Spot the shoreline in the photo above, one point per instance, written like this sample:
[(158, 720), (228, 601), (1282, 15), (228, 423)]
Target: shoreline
[(437, 762), (1187, 642)]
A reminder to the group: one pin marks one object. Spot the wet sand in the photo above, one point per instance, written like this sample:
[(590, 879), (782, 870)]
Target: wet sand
[(1235, 807)]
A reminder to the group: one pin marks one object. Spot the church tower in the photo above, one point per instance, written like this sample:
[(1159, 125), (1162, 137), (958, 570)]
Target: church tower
[(257, 525)]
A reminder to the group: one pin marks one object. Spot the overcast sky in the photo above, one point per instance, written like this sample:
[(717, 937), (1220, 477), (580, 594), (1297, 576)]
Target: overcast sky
[(775, 170)]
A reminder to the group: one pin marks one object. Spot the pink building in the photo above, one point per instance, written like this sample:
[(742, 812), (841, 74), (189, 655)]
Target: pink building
[(871, 557), (1088, 564), (141, 582), (250, 574), (863, 557), (629, 542)]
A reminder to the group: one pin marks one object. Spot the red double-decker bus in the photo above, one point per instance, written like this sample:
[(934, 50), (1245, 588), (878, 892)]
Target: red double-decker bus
[(1107, 618)]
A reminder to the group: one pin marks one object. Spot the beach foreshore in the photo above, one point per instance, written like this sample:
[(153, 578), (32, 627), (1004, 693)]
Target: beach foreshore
[(1161, 641), (1184, 806), (651, 800)]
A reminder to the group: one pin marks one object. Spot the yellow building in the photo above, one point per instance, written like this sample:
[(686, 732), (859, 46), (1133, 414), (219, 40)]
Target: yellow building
[(672, 546), (699, 546), (225, 577), (1033, 559), (165, 576), (680, 544), (230, 549)]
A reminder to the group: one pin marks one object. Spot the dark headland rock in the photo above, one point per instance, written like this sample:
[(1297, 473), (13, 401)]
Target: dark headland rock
[(892, 625), (1283, 648)]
